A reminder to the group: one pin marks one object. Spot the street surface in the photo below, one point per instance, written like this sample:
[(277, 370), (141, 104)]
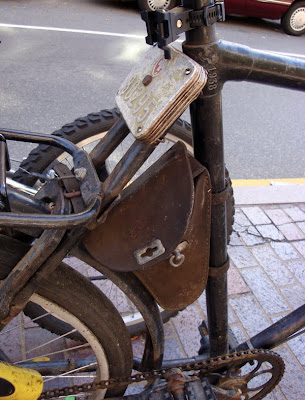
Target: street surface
[(62, 60)]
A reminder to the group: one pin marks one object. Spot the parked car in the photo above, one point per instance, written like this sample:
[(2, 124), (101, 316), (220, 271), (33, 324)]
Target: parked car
[(290, 12)]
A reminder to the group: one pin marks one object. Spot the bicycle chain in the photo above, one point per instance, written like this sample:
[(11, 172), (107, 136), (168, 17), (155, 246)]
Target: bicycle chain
[(203, 367)]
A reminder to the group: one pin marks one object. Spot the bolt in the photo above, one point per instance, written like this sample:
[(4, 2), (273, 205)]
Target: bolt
[(51, 174), (80, 173), (139, 129), (188, 71), (51, 205), (179, 23), (146, 81)]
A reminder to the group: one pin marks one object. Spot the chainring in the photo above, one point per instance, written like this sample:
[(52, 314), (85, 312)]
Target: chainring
[(231, 374), (251, 378)]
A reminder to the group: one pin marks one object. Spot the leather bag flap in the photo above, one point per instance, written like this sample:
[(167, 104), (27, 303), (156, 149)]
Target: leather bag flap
[(146, 224)]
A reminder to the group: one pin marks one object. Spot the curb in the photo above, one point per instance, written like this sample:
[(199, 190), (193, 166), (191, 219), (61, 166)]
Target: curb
[(274, 194)]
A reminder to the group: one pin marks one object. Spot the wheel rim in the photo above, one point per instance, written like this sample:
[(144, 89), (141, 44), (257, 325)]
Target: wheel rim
[(58, 348), (297, 19), (157, 4)]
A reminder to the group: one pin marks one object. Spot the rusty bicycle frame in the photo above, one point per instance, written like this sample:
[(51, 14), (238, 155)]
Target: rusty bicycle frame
[(224, 61)]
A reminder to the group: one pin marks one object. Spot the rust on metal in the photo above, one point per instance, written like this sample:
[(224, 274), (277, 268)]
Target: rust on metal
[(146, 81), (71, 195), (176, 383)]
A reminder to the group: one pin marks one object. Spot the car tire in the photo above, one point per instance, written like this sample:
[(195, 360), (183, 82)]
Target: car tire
[(293, 21), (152, 5)]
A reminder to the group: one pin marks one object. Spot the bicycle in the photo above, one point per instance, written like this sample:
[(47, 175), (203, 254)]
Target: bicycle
[(37, 276)]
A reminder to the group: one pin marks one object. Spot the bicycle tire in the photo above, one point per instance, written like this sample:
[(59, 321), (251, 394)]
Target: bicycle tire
[(75, 298), (81, 132), (83, 128)]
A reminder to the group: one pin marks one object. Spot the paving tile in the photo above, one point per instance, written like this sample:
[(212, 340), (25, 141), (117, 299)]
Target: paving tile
[(300, 246), (202, 302), (302, 206), (256, 215), (285, 250), (235, 240), (264, 290), (297, 267), (239, 333), (241, 257), (231, 316), (295, 296), (186, 324), (78, 265), (274, 267), (249, 313), (236, 283), (173, 350), (138, 345), (12, 334), (251, 236), (292, 231), (297, 345), (28, 323), (278, 216), (169, 329), (240, 218), (275, 395), (269, 232), (292, 383), (295, 213), (301, 225)]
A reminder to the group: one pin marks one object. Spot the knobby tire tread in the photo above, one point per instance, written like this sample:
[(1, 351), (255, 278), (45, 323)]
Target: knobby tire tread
[(40, 158)]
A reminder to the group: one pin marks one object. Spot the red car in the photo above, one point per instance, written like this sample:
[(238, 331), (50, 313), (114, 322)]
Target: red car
[(290, 12)]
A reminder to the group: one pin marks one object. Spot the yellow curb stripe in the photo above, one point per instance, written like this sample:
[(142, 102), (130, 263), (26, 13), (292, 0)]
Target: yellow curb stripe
[(266, 182)]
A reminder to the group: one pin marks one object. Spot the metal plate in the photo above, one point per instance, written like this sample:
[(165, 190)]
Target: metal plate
[(157, 89)]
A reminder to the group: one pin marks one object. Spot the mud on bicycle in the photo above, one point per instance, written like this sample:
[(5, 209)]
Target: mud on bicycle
[(171, 238)]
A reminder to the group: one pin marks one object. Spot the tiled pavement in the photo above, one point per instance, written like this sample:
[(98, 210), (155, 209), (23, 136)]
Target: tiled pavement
[(266, 281)]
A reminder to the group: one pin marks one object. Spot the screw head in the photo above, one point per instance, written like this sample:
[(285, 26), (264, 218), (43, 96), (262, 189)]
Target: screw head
[(188, 71), (147, 80), (179, 23), (139, 129)]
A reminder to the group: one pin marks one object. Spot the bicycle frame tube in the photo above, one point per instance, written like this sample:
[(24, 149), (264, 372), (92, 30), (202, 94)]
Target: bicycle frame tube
[(225, 61)]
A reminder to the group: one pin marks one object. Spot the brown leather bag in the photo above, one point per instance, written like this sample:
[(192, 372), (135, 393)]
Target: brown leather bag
[(163, 217)]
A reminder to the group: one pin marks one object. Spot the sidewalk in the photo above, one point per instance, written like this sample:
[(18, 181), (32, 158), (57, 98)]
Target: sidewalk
[(266, 280)]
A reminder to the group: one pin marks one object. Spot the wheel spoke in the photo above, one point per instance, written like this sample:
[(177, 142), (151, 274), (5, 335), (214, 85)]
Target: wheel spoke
[(73, 371)]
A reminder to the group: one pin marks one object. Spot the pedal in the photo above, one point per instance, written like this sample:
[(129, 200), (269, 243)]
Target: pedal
[(200, 390), (157, 91), (204, 341)]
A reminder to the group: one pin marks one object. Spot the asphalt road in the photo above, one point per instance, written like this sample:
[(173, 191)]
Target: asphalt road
[(51, 76)]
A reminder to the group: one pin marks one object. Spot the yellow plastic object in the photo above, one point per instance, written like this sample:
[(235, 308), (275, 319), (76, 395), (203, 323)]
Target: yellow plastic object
[(25, 384)]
